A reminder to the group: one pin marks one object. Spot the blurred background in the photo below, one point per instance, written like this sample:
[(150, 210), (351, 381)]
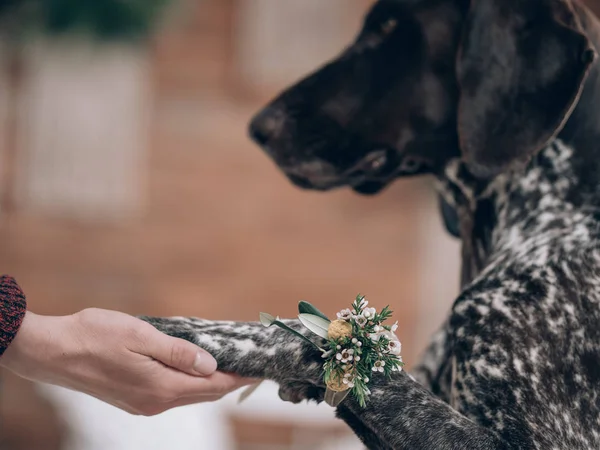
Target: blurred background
[(127, 182)]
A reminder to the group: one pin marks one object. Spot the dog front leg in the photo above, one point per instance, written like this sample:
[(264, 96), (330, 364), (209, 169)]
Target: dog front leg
[(434, 370), (406, 416), (400, 413), (251, 350)]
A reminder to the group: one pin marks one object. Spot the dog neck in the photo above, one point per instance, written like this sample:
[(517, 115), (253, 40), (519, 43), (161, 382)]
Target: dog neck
[(508, 216), (461, 192), (499, 215)]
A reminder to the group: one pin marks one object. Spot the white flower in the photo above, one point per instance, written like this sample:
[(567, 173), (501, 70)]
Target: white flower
[(363, 303), (354, 340), (385, 334), (377, 328), (395, 347), (390, 336), (359, 344), (357, 358), (369, 313), (366, 379), (347, 355), (339, 347), (349, 379), (361, 321), (397, 369), (344, 314), (338, 356), (395, 327), (378, 366)]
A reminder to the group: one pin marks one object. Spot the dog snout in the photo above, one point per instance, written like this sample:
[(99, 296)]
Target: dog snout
[(266, 125)]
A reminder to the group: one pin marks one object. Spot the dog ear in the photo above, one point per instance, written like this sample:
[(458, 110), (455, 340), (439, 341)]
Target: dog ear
[(520, 69)]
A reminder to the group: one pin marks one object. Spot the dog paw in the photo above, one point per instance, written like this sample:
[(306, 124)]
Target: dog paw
[(298, 391)]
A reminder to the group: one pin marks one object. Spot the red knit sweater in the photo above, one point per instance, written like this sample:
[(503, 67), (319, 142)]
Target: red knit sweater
[(12, 310)]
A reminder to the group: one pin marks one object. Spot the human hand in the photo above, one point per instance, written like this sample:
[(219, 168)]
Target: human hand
[(117, 358)]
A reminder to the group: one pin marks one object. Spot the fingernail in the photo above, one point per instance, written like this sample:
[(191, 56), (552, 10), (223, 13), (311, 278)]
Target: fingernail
[(204, 364)]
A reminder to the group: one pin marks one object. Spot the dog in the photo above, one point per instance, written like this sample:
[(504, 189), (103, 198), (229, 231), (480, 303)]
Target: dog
[(497, 100)]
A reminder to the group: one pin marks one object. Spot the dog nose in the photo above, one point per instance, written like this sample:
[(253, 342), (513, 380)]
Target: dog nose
[(266, 125)]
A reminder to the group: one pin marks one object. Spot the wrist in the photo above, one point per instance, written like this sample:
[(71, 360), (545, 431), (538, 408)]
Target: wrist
[(39, 345), (23, 345)]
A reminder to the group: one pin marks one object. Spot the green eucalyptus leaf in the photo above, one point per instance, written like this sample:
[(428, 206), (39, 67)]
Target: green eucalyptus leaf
[(266, 319), (316, 324), (307, 308), (291, 330)]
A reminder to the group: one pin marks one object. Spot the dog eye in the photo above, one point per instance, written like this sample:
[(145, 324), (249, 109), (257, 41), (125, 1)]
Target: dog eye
[(388, 26), (375, 161)]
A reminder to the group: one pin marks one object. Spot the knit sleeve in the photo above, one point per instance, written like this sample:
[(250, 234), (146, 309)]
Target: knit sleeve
[(12, 310)]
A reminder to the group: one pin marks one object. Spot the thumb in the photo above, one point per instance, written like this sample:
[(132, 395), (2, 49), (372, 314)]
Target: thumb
[(183, 355)]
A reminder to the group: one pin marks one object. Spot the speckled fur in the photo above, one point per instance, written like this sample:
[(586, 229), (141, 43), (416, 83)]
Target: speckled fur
[(516, 366), (519, 353), (517, 363)]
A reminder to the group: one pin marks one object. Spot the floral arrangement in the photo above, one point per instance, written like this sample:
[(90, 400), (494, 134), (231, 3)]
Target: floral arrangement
[(358, 346)]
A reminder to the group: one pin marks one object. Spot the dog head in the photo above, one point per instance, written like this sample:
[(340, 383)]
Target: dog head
[(491, 81)]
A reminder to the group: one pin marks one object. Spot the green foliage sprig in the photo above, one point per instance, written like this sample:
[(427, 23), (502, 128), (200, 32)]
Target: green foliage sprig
[(358, 346), (103, 20)]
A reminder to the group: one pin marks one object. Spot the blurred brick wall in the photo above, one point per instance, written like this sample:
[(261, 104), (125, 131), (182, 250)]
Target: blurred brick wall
[(195, 53), (224, 236)]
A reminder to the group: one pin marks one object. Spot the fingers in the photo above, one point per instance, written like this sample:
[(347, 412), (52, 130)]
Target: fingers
[(217, 385), (222, 384), (179, 354), (188, 391)]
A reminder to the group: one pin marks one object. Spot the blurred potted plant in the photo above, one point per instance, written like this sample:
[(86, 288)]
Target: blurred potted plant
[(77, 76)]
